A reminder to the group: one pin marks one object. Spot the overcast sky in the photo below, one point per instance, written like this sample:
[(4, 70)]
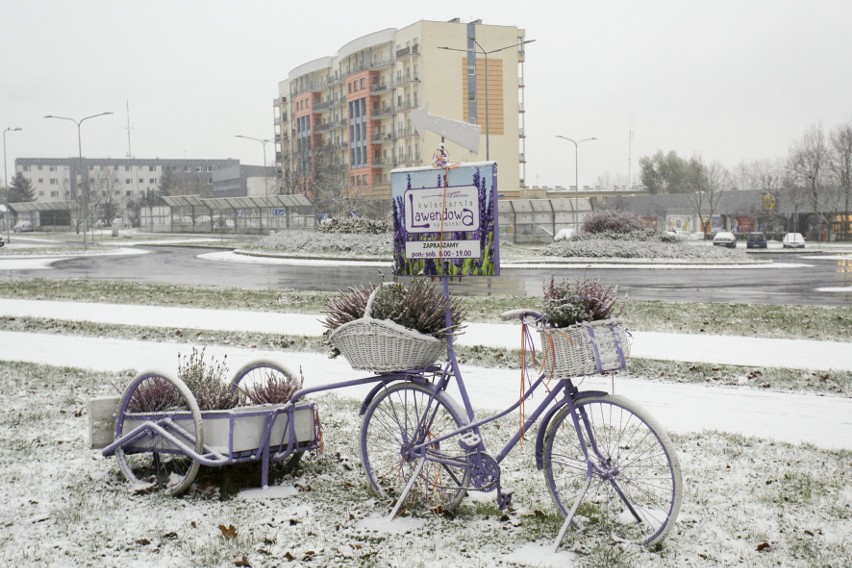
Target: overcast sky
[(731, 80)]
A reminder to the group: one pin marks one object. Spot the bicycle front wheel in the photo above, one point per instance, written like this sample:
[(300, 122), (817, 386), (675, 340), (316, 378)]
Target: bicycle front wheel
[(403, 416), (636, 486)]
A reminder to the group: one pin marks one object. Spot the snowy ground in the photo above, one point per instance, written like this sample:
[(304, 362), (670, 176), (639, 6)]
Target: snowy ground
[(754, 497)]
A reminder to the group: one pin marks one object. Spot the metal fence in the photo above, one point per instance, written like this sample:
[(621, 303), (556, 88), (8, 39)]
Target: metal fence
[(248, 215), (528, 221)]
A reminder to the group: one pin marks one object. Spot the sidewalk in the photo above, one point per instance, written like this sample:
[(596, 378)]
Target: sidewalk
[(733, 350), (823, 421)]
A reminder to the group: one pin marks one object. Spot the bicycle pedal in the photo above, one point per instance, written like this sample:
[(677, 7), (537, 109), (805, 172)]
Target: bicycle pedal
[(504, 500), (469, 441)]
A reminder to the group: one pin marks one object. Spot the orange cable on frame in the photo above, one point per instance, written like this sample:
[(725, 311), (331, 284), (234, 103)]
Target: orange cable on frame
[(523, 375)]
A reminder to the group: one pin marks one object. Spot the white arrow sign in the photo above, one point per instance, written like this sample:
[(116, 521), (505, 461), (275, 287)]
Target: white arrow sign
[(462, 133)]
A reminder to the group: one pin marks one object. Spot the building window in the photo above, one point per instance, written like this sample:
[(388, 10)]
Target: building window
[(126, 168), (54, 194), (41, 180), (52, 168), (53, 181), (127, 181), (152, 180)]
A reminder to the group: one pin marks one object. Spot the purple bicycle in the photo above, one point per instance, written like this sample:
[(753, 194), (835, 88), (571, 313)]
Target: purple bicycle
[(608, 465)]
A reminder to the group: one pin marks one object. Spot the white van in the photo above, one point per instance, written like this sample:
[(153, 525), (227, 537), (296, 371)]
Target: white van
[(793, 240)]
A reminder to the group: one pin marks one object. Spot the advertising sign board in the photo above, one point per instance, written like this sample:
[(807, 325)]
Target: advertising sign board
[(445, 221)]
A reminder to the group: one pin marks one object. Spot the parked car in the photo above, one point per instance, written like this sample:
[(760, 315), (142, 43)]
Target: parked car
[(2, 242), (724, 239), (756, 240), (793, 240), (23, 227)]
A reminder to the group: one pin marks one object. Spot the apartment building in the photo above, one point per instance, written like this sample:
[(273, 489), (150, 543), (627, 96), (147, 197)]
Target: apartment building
[(114, 180), (342, 122)]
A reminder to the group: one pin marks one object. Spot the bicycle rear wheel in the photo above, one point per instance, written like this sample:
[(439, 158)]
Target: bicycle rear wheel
[(637, 487), (400, 417)]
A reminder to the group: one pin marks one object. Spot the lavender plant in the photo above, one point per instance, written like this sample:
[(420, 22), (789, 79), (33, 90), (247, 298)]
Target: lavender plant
[(207, 381), (155, 394), (569, 302), (419, 306), (276, 388)]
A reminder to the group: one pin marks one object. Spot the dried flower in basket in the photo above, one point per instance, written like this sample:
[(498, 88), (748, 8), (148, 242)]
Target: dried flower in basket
[(568, 302)]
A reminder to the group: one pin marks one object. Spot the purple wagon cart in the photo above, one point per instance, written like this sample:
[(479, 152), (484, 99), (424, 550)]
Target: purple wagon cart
[(162, 438)]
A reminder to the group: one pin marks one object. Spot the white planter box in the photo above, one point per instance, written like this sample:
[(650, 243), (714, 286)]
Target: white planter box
[(241, 429)]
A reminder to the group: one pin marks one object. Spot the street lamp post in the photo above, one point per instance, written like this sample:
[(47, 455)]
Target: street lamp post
[(6, 181), (79, 123), (485, 53), (263, 143), (576, 178)]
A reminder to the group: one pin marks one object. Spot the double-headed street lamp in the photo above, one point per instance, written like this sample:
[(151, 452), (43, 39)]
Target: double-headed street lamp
[(6, 180), (263, 143), (480, 49), (576, 178), (80, 167)]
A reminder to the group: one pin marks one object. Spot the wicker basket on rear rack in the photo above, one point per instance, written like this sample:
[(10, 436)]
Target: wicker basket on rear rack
[(586, 348), (383, 345)]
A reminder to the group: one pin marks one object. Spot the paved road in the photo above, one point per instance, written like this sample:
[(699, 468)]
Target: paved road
[(792, 279)]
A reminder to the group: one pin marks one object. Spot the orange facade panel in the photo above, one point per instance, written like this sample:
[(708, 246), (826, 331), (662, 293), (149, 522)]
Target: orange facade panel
[(496, 111)]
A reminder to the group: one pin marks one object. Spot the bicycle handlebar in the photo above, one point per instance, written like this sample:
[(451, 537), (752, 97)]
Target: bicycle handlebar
[(521, 314)]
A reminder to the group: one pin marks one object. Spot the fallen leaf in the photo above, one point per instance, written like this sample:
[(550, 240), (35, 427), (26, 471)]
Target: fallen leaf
[(242, 562), (143, 541), (228, 532), (762, 546)]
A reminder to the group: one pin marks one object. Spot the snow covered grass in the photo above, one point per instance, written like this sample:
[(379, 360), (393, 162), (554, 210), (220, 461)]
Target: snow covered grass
[(836, 383), (654, 249), (784, 321), (310, 243), (748, 501), (639, 245)]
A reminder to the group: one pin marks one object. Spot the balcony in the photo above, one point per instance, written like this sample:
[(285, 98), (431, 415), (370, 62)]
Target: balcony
[(405, 79), (384, 111), (408, 51), (522, 159), (379, 88), (521, 133)]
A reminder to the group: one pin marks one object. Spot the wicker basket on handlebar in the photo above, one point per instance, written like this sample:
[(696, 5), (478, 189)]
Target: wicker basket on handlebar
[(587, 348), (383, 345)]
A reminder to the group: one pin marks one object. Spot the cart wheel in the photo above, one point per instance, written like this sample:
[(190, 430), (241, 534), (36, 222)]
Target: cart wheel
[(153, 460), (266, 382)]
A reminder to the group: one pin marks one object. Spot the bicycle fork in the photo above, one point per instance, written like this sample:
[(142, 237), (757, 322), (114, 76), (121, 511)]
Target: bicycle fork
[(608, 474)]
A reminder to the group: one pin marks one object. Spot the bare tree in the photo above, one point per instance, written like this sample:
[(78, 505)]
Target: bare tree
[(607, 180), (841, 168), (710, 182), (808, 164), (766, 175), (103, 187)]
